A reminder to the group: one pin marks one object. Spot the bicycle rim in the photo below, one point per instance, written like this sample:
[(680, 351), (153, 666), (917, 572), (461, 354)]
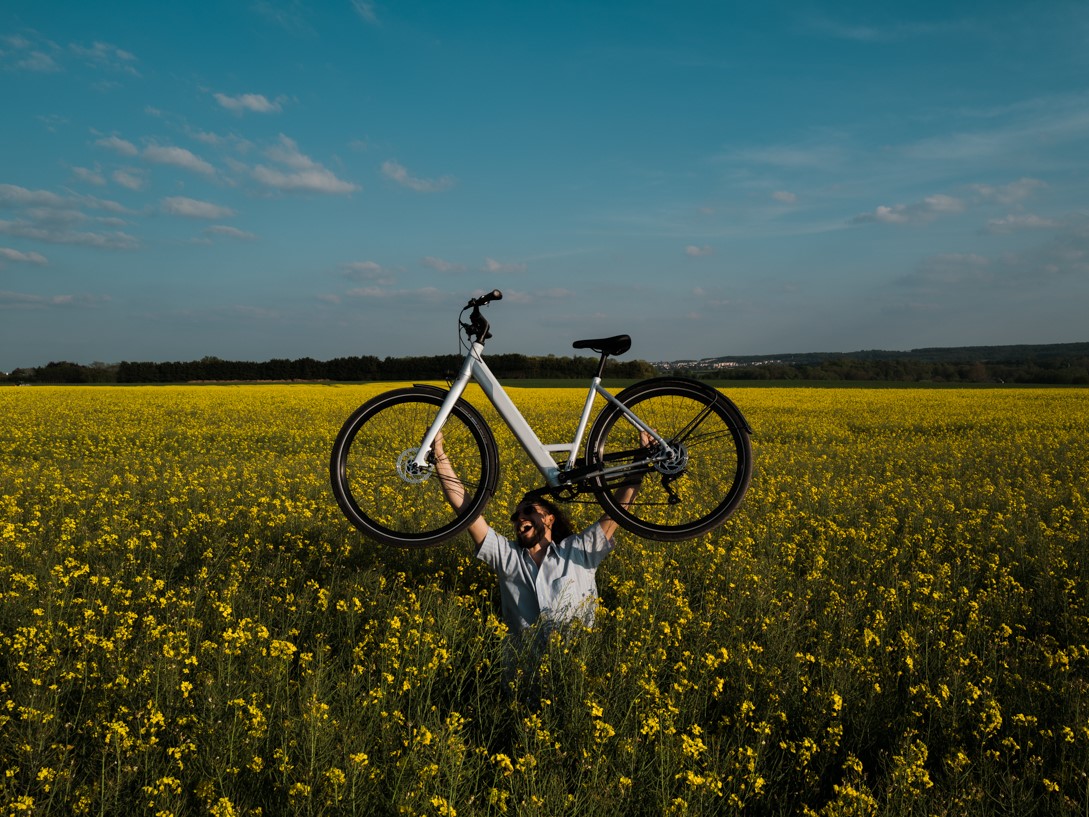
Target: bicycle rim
[(375, 486), (695, 491)]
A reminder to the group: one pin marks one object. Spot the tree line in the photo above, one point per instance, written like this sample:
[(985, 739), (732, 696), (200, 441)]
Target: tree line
[(345, 369), (1070, 369), (1057, 372)]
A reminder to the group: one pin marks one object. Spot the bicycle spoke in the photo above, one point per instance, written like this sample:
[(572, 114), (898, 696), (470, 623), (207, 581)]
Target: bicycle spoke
[(695, 423)]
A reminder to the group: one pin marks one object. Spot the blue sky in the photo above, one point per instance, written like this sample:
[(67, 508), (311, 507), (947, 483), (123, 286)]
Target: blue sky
[(276, 178)]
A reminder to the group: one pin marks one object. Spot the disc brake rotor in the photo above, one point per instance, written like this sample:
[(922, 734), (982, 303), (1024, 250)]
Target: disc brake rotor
[(408, 470), (675, 464)]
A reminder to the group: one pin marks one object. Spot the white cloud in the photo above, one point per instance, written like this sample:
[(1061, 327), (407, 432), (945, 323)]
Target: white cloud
[(951, 269), (886, 215), (522, 297), (428, 294), (58, 235), (889, 32), (698, 252), (192, 208), (1064, 256), (441, 265), (89, 176), (1009, 193), (252, 103), (129, 178), (52, 121), (370, 271), (555, 294), (289, 14), (711, 298), (303, 173), (106, 55), (8, 254), (288, 153), (811, 155), (21, 300), (491, 265), (370, 292), (1020, 221), (96, 203), (366, 12), (55, 216), (784, 197), (44, 205), (15, 196), (943, 204), (118, 145), (399, 173), (26, 55), (39, 62), (915, 213), (363, 266), (207, 137), (178, 157), (230, 232)]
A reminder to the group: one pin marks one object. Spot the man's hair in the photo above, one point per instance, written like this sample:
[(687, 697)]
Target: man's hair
[(561, 528)]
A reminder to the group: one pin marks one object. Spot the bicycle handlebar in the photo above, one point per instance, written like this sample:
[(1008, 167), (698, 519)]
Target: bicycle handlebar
[(494, 295), (477, 327)]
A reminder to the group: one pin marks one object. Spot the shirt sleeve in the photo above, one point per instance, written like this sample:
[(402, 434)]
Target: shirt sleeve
[(489, 550), (590, 547)]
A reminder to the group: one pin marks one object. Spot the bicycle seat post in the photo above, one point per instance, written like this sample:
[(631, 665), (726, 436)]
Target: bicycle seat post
[(601, 365)]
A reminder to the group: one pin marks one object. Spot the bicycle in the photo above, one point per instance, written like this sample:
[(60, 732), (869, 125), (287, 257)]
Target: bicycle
[(698, 458)]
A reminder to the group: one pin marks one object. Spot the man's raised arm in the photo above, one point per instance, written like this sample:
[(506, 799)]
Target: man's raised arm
[(455, 491)]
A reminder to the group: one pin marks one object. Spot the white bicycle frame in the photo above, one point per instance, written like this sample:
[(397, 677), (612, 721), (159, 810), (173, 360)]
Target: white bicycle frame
[(542, 455)]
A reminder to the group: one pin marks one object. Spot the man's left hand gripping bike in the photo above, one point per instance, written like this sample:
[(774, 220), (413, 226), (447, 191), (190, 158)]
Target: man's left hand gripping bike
[(683, 442)]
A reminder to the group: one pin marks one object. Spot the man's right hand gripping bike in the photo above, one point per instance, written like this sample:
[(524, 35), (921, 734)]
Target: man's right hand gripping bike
[(683, 442)]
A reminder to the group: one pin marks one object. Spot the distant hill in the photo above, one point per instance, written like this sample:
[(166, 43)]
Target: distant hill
[(1049, 363), (932, 354)]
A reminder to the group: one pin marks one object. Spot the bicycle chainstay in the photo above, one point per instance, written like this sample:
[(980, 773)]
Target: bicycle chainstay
[(577, 481)]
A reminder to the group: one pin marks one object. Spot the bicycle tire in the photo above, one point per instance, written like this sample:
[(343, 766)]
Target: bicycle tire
[(371, 481), (696, 492)]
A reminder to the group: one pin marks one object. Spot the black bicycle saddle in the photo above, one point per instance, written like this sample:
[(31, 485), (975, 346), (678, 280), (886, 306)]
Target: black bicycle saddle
[(616, 345)]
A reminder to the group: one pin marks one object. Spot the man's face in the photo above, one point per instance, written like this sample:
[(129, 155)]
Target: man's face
[(532, 524)]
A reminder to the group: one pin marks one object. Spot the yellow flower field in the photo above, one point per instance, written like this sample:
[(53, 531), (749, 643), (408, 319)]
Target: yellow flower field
[(895, 622)]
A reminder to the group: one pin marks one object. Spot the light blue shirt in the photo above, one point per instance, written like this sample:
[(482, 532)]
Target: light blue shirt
[(563, 589)]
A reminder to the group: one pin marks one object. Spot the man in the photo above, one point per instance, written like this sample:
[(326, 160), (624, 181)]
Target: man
[(547, 573)]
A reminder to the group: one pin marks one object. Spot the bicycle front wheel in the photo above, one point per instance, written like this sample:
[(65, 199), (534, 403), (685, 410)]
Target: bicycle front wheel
[(379, 491), (683, 495)]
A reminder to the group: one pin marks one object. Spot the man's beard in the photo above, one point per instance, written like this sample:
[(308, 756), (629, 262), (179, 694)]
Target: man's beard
[(528, 535)]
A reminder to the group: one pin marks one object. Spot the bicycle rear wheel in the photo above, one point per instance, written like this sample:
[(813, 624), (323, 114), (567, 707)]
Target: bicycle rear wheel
[(685, 495), (379, 492)]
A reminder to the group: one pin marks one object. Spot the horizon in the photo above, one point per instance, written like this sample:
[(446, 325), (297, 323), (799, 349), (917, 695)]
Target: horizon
[(714, 180), (573, 354)]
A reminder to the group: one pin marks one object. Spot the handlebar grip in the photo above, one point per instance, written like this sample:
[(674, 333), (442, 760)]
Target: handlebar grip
[(494, 295)]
